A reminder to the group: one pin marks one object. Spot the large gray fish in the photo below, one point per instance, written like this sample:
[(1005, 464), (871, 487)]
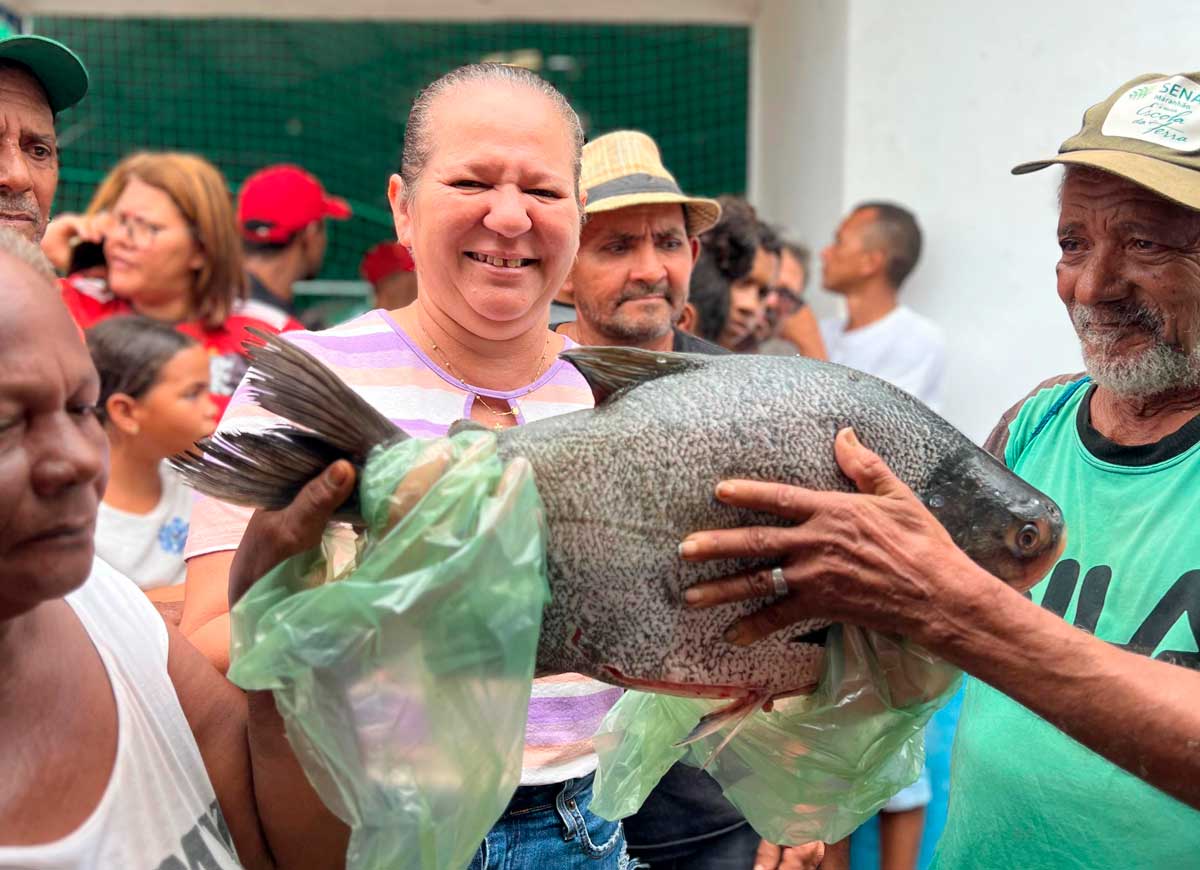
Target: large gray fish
[(624, 482)]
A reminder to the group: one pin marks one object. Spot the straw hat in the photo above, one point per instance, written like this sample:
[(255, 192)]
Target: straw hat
[(624, 168), (1148, 132)]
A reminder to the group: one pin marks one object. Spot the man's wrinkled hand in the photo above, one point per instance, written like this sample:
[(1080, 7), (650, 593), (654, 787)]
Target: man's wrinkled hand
[(873, 559), (273, 536), (772, 857)]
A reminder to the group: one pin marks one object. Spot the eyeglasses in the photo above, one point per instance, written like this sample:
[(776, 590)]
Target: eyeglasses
[(141, 232), (786, 294)]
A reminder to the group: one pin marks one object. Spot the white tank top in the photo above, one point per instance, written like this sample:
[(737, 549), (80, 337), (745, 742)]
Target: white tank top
[(159, 810)]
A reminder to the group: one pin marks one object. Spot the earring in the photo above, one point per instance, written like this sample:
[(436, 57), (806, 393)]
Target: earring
[(136, 429)]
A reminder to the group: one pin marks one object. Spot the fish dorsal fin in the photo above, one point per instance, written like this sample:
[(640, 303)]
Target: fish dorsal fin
[(608, 370), (464, 425)]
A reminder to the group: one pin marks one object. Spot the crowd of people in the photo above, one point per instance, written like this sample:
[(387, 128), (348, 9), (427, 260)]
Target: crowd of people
[(514, 241)]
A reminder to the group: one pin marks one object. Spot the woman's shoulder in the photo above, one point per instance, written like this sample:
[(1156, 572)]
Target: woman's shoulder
[(368, 332), (371, 346)]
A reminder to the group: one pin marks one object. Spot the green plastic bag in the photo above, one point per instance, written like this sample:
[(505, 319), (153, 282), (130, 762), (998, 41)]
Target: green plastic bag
[(815, 767), (404, 683)]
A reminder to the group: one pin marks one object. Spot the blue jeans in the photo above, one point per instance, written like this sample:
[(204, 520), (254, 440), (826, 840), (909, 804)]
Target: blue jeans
[(550, 826)]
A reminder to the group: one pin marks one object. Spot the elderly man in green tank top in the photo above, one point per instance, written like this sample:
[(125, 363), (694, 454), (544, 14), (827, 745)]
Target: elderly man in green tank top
[(1078, 745)]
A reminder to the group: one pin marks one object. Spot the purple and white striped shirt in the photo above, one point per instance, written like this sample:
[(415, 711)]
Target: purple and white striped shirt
[(375, 357)]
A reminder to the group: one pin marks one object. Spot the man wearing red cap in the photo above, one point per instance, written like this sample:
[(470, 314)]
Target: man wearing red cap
[(281, 212), (390, 270)]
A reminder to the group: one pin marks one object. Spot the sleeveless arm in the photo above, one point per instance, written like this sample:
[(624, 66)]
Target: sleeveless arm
[(205, 620), (884, 562), (1137, 712), (251, 764), (274, 816)]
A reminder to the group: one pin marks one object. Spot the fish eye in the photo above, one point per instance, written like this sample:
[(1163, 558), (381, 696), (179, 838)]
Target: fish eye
[(1028, 537)]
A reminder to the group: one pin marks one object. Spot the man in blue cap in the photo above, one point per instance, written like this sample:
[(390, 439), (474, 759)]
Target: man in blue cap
[(38, 79)]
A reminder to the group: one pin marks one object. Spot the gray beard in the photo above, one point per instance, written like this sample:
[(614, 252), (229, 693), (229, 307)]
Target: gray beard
[(1157, 370), (632, 332), (615, 327)]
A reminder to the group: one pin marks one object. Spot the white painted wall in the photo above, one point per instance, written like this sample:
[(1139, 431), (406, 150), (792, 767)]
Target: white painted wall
[(798, 114), (941, 99)]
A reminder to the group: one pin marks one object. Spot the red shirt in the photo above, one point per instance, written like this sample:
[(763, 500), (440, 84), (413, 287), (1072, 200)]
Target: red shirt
[(90, 301)]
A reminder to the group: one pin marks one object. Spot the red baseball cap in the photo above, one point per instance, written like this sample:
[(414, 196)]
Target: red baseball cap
[(277, 202), (385, 259)]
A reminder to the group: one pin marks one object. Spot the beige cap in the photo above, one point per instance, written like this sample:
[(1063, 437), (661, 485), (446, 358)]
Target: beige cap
[(1147, 132), (624, 168)]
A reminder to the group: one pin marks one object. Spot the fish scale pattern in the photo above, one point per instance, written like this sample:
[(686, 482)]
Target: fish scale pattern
[(625, 483)]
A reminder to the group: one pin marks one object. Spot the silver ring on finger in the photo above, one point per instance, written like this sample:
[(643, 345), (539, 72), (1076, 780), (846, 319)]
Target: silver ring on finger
[(779, 581)]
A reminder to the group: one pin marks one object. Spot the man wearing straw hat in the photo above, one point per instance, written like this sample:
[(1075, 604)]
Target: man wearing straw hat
[(630, 281), (629, 286)]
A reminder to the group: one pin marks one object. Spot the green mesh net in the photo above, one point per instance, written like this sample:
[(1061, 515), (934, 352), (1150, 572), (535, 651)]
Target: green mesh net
[(334, 96)]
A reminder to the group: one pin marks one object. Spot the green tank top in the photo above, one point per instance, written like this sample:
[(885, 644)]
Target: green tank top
[(1022, 793)]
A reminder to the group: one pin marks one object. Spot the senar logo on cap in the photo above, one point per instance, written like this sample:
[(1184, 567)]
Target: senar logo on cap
[(1147, 131), (1166, 113)]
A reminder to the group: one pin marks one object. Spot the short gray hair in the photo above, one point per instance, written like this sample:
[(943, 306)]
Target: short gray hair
[(20, 248), (418, 139)]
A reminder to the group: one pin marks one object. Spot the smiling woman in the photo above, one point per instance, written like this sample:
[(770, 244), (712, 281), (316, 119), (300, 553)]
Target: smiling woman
[(487, 201)]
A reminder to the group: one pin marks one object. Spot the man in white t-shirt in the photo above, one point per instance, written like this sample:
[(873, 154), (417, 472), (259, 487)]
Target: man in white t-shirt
[(873, 252)]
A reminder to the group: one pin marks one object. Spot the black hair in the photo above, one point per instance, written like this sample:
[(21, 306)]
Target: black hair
[(895, 228), (266, 249), (129, 353), (769, 239), (727, 252), (733, 241), (708, 292)]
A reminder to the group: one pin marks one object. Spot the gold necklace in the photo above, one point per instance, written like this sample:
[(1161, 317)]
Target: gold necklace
[(512, 410)]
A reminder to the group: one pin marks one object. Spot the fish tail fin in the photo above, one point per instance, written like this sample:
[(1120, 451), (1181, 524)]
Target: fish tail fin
[(267, 468), (737, 713), (262, 469), (289, 381)]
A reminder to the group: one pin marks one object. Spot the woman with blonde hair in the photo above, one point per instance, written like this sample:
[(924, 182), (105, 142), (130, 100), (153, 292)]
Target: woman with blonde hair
[(165, 225)]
